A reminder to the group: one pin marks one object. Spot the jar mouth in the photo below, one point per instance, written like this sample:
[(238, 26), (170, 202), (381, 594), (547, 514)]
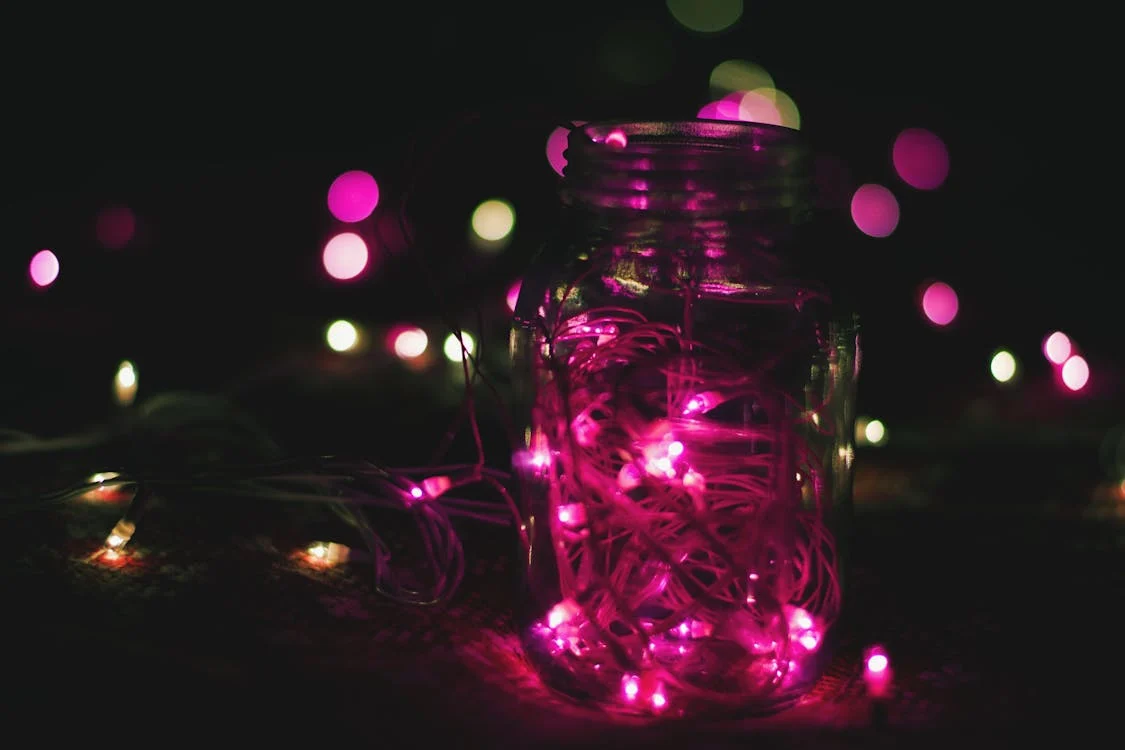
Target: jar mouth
[(667, 135), (690, 166)]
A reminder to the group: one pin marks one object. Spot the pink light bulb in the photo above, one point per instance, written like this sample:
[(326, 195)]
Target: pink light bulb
[(409, 343), (1057, 347), (345, 256), (44, 268), (1075, 373), (631, 686), (877, 672)]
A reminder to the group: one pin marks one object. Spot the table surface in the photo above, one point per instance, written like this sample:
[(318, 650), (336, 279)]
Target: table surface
[(1000, 618)]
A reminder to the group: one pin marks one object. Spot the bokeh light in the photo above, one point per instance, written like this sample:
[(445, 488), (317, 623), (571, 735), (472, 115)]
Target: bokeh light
[(1057, 347), (920, 158), (513, 295), (730, 76), (342, 336), (769, 106), (877, 675), (939, 303), (875, 432), (1075, 373), (617, 139), (44, 268), (493, 220), (706, 16), (1003, 366), (452, 346), (410, 343), (726, 109), (345, 256), (556, 146), (125, 384), (875, 210), (353, 196), (115, 226)]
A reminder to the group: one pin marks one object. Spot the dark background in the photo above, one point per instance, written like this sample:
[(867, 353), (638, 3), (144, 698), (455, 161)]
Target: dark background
[(222, 134)]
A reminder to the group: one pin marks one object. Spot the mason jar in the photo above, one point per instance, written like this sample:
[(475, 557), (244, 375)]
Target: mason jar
[(688, 398)]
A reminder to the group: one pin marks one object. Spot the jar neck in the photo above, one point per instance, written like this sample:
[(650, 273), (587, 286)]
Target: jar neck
[(707, 192), (692, 170)]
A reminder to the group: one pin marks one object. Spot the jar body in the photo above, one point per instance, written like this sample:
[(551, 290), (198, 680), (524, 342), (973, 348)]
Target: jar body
[(686, 468)]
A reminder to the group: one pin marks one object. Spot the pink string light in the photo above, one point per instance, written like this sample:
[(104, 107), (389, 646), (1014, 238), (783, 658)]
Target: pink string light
[(677, 500)]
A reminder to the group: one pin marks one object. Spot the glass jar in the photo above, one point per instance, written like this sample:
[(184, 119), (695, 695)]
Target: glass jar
[(688, 402)]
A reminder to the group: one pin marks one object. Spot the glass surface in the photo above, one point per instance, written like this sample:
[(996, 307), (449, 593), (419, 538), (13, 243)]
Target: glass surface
[(686, 463)]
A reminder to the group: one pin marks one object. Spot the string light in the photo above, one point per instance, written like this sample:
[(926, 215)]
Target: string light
[(679, 460), (44, 268), (1057, 348), (1075, 373), (342, 336), (453, 346), (870, 431), (125, 384), (493, 220), (410, 343), (877, 676), (328, 553), (1003, 366), (641, 618)]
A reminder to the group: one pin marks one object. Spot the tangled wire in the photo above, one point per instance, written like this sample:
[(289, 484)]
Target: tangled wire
[(686, 501), (351, 488)]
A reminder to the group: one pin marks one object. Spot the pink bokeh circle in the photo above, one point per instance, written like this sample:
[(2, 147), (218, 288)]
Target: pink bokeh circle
[(353, 196), (345, 256), (875, 210), (920, 159), (939, 303), (44, 268), (556, 146)]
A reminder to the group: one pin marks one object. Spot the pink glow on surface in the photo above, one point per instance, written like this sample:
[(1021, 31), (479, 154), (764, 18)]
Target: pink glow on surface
[(345, 256), (1075, 373), (875, 210), (353, 196), (44, 268), (939, 303), (513, 296), (556, 147), (920, 158), (115, 227), (1057, 347)]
